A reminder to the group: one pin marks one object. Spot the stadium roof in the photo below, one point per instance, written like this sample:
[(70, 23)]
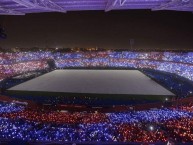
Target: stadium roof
[(22, 7)]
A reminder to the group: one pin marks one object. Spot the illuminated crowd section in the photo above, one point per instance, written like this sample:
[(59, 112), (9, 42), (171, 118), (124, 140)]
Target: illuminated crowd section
[(19, 68), (180, 63), (157, 125), (147, 126)]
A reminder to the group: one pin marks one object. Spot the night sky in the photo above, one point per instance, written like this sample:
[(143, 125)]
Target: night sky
[(163, 29)]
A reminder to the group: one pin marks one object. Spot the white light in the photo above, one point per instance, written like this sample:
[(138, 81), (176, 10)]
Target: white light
[(151, 128)]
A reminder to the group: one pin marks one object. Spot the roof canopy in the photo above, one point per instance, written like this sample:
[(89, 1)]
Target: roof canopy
[(21, 7)]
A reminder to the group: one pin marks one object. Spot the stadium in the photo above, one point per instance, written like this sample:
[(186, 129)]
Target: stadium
[(94, 96), (74, 114)]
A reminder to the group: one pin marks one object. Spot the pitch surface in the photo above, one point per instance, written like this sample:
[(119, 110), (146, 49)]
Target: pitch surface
[(94, 82)]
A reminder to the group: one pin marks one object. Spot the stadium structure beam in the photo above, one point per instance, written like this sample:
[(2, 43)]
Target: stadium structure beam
[(41, 4), (9, 12), (114, 3), (180, 5)]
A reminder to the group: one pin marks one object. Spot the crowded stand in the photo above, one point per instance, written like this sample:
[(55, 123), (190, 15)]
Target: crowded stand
[(174, 70), (151, 116), (188, 107), (176, 66), (10, 107), (57, 117), (180, 63), (148, 116), (151, 126), (19, 68), (181, 130)]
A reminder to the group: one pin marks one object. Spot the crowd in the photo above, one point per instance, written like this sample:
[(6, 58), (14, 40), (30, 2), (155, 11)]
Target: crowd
[(11, 58), (74, 118), (8, 108), (19, 68), (156, 125), (180, 63), (188, 108), (57, 117), (181, 130), (150, 116)]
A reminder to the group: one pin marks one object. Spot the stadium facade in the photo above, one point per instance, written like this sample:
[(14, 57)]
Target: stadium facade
[(22, 7)]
